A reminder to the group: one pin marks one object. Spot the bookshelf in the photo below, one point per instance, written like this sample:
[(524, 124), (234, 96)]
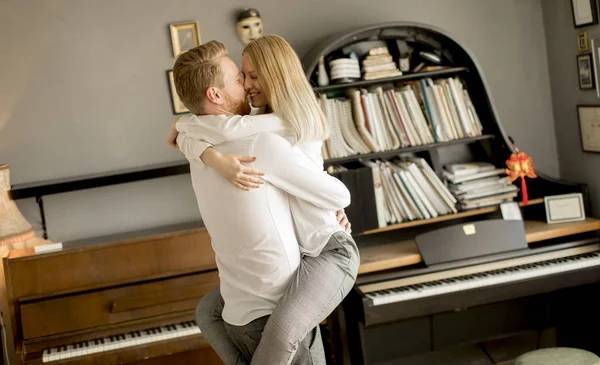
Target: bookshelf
[(424, 112), (425, 147), (417, 99), (406, 77)]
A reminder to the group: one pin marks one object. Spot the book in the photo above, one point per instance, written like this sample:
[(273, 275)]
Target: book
[(458, 179), (387, 118), (468, 168)]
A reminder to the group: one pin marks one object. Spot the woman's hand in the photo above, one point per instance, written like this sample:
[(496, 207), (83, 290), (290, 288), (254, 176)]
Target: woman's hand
[(172, 134), (343, 221), (230, 167)]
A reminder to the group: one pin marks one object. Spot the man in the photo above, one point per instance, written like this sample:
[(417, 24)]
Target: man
[(252, 233)]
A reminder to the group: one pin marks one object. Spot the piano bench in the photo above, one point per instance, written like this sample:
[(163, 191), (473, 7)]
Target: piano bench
[(558, 356)]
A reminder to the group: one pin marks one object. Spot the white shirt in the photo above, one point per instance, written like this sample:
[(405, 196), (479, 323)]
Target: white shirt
[(252, 232), (314, 226)]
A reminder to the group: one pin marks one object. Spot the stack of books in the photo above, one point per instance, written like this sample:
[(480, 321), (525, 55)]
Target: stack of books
[(479, 184), (344, 70), (418, 113), (408, 189), (378, 64)]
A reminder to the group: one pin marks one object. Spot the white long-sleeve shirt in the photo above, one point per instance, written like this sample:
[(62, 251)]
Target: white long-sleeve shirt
[(252, 232), (314, 226)]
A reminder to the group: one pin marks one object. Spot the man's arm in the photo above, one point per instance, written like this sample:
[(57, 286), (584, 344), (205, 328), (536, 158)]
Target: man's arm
[(197, 134), (216, 129), (288, 168)]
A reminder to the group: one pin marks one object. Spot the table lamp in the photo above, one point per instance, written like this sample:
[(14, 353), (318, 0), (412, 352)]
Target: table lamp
[(15, 231)]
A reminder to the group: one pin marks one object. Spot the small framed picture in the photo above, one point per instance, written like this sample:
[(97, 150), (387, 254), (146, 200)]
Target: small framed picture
[(584, 12), (585, 70), (178, 107), (564, 208), (595, 49), (589, 127), (582, 42), (184, 36)]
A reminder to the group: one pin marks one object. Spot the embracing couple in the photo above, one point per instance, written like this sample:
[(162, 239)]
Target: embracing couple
[(282, 242)]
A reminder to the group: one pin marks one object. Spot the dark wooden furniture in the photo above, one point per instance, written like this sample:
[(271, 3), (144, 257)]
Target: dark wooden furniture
[(112, 286), (364, 333)]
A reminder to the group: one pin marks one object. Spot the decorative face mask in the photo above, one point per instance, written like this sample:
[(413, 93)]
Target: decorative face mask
[(249, 26)]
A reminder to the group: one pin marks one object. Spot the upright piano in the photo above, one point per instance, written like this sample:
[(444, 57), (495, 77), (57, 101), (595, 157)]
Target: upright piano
[(124, 299), (427, 287)]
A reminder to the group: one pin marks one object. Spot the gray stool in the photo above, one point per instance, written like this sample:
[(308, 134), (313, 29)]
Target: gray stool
[(558, 356)]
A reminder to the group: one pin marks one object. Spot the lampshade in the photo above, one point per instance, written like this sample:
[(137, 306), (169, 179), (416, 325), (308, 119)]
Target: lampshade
[(15, 231)]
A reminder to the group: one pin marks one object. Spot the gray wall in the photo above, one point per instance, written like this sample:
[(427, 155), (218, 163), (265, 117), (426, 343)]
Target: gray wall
[(562, 51), (84, 88)]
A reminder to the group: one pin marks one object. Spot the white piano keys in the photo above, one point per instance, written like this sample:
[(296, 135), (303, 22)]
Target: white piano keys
[(120, 341), (483, 279)]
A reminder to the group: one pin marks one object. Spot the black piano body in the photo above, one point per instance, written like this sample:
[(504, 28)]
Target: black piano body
[(395, 315)]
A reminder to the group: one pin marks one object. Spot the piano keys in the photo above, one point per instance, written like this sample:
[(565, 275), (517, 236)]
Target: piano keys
[(120, 341), (500, 272)]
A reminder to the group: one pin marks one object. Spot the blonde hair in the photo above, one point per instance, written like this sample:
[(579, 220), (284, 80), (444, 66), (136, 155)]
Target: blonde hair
[(286, 87), (195, 71)]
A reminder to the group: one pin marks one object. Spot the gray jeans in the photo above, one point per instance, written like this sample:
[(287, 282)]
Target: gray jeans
[(316, 289), (246, 339), (236, 345)]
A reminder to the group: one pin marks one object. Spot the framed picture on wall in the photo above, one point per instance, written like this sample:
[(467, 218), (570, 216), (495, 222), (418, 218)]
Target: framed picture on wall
[(178, 107), (585, 70), (584, 12), (184, 36), (589, 127), (582, 42), (595, 50)]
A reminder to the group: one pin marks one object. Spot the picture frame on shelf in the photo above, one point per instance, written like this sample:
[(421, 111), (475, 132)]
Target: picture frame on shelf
[(564, 208), (583, 42), (184, 36), (585, 71), (588, 117), (178, 107), (584, 12)]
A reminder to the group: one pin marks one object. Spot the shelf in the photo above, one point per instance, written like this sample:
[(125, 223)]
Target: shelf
[(467, 213), (57, 186), (425, 147), (382, 257), (406, 77), (405, 253), (540, 230)]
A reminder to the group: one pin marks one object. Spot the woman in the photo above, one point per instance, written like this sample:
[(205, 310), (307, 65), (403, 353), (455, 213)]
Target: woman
[(274, 80)]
